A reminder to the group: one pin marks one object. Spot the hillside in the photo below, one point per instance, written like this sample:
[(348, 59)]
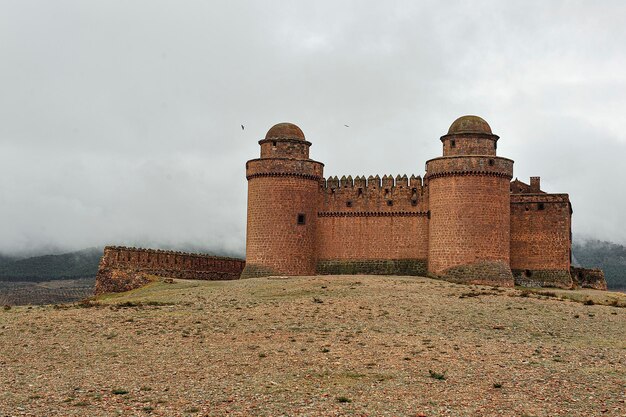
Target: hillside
[(318, 346), (607, 256), (79, 264)]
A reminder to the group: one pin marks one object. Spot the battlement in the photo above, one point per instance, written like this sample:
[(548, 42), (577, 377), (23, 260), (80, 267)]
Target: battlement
[(123, 268), (374, 194)]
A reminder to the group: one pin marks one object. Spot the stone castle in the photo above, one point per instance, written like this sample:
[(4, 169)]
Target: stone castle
[(465, 221)]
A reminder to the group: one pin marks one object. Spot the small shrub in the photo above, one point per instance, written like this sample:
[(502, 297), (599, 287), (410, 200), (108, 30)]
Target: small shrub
[(342, 399), (192, 410), (262, 355), (129, 304), (589, 302), (317, 300), (6, 307), (325, 350), (119, 391), (497, 385), (437, 375), (525, 293)]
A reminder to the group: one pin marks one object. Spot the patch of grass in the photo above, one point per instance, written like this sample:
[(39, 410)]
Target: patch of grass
[(192, 410), (148, 409), (325, 350), (436, 375), (119, 391), (81, 404), (88, 303), (548, 293), (317, 300), (262, 355), (6, 307), (343, 399)]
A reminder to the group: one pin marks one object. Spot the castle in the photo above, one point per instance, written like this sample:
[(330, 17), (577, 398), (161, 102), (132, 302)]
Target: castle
[(465, 221)]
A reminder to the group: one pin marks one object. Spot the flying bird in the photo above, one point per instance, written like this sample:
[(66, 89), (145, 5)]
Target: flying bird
[(346, 126)]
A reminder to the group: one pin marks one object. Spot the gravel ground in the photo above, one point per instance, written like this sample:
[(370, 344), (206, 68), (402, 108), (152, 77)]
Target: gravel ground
[(316, 346)]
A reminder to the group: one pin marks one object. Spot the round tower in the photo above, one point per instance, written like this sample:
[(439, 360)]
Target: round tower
[(283, 187), (469, 201)]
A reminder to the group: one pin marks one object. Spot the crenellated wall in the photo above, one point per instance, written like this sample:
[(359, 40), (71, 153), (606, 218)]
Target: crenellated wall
[(372, 226), (125, 268)]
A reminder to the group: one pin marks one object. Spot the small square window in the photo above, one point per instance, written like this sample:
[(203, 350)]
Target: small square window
[(540, 206), (453, 143), (348, 203), (301, 219), (491, 162), (390, 202)]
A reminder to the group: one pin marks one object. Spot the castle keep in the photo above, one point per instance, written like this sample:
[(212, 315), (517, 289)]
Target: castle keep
[(465, 221)]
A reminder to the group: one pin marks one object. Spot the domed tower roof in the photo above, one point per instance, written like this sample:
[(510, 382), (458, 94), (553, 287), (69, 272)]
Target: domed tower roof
[(285, 131), (469, 124)]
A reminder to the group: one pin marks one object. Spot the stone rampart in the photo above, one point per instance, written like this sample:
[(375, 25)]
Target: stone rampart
[(589, 278), (123, 268)]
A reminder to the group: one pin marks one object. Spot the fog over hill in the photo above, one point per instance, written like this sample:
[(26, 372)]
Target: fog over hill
[(121, 121)]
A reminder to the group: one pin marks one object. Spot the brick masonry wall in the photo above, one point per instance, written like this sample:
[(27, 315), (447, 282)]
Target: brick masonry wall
[(540, 238), (469, 144), (275, 243), (589, 278), (417, 267), (469, 225), (557, 278), (123, 269), (372, 237)]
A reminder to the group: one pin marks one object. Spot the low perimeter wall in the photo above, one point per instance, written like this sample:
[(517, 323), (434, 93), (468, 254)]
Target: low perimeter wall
[(123, 269), (589, 278)]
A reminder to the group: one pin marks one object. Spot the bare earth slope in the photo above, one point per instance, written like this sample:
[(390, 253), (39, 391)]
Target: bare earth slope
[(317, 346)]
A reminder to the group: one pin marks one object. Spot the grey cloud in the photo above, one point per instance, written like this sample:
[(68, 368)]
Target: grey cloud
[(120, 120)]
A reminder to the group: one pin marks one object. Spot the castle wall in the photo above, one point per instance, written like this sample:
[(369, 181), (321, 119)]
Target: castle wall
[(470, 219), (123, 269), (372, 226), (472, 144), (588, 278), (541, 240), (276, 244)]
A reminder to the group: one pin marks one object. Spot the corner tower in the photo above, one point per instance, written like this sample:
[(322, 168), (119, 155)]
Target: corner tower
[(283, 187), (470, 215)]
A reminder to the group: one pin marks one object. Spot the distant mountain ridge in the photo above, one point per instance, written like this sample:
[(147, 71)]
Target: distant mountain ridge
[(608, 256), (80, 264)]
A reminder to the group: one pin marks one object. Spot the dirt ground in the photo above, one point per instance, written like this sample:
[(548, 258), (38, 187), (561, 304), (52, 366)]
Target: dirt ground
[(318, 346)]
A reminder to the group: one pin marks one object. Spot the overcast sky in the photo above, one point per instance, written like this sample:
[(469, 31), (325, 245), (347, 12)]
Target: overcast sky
[(120, 120)]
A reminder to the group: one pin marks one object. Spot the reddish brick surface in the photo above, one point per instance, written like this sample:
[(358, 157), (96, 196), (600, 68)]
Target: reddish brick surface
[(469, 221), (465, 219), (540, 231), (275, 242)]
